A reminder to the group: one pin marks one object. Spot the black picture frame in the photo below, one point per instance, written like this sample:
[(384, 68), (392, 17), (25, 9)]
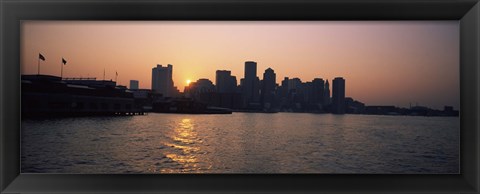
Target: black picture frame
[(12, 12)]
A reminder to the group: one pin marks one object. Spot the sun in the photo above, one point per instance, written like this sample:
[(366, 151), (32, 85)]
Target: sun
[(188, 81)]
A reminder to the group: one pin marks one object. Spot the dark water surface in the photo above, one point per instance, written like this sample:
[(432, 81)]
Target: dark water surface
[(241, 143)]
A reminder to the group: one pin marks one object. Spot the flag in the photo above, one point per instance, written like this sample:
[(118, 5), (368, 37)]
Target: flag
[(40, 56), (116, 73), (63, 61)]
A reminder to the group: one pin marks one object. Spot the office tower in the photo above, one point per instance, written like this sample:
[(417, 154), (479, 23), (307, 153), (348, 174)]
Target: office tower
[(256, 90), (295, 90), (326, 96), (232, 84), (308, 94), (134, 84), (338, 96), (251, 83), (162, 81), (294, 84), (268, 87), (283, 89), (225, 82), (318, 90)]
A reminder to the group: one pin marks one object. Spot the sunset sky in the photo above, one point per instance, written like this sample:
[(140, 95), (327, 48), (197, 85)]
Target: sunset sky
[(383, 63)]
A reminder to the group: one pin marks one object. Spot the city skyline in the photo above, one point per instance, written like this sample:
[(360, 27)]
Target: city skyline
[(372, 84)]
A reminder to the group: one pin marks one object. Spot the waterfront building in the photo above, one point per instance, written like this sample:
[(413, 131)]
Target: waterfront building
[(294, 84), (318, 91), (144, 99), (268, 88), (134, 84), (203, 91), (296, 97), (381, 110), (175, 92), (162, 81), (45, 95), (308, 98), (199, 87), (338, 96), (326, 96), (223, 100), (283, 89), (250, 83), (295, 89), (282, 95), (225, 82), (92, 82), (353, 106)]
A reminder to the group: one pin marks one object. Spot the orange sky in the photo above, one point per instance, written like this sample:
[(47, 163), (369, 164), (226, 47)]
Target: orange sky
[(384, 63)]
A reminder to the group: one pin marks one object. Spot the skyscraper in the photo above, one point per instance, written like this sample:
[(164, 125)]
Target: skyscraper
[(318, 90), (268, 88), (250, 83), (308, 95), (338, 96), (295, 90), (294, 84), (134, 84), (283, 90), (225, 82), (162, 81), (326, 95)]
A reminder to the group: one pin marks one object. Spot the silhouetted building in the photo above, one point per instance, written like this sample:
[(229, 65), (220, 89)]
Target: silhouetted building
[(144, 98), (354, 107), (268, 88), (175, 92), (204, 91), (44, 95), (134, 84), (225, 82), (308, 97), (420, 110), (199, 87), (326, 96), (250, 85), (162, 81), (318, 91), (338, 96), (312, 95), (283, 89), (282, 95), (295, 94), (449, 111), (256, 92), (223, 100), (381, 110), (294, 84)]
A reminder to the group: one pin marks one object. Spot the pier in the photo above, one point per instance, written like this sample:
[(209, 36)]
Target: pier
[(44, 95)]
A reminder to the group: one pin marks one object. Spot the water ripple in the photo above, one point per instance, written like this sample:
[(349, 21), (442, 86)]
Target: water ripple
[(241, 143)]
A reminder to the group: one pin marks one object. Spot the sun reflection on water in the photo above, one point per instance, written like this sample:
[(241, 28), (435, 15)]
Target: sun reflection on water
[(184, 143)]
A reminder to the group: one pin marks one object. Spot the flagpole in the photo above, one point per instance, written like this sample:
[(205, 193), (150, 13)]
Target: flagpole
[(103, 73)]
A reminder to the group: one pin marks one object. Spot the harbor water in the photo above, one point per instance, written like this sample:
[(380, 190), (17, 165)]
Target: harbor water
[(241, 143)]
